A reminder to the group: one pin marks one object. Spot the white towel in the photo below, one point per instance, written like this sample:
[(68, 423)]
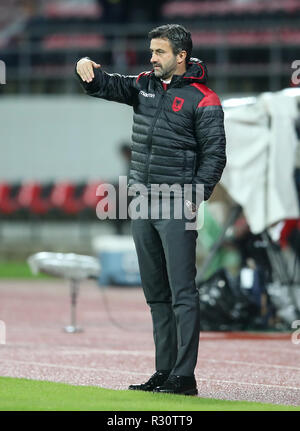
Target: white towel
[(261, 145)]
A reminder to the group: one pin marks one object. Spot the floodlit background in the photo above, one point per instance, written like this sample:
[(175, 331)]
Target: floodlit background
[(57, 145)]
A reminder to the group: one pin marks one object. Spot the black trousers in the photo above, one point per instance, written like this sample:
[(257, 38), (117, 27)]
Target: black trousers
[(166, 253)]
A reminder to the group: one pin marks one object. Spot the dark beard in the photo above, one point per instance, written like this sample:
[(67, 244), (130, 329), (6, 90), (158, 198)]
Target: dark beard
[(165, 74)]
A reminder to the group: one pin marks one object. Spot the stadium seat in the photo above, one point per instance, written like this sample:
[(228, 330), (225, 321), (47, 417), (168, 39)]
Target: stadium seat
[(35, 198), (90, 199), (66, 198), (9, 205)]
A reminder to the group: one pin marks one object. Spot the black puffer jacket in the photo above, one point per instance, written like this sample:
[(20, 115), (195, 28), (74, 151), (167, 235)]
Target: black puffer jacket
[(178, 134)]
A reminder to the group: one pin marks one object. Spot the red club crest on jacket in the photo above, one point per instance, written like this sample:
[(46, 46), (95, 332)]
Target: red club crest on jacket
[(177, 104)]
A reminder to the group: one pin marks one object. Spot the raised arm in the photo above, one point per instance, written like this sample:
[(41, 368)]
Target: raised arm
[(97, 83)]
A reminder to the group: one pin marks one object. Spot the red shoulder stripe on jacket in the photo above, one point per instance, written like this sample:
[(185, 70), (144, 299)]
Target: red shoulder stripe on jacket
[(142, 74), (210, 97)]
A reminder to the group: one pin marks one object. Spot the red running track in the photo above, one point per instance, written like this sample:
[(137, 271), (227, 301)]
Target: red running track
[(117, 349)]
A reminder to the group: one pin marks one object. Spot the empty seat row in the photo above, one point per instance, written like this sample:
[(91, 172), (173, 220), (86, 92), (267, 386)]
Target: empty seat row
[(208, 37), (246, 37), (70, 41), (224, 7), (60, 199)]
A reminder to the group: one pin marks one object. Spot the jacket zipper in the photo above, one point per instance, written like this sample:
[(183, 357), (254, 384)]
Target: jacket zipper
[(151, 132)]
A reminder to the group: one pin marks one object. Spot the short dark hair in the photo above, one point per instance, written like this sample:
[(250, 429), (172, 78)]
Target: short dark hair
[(180, 39)]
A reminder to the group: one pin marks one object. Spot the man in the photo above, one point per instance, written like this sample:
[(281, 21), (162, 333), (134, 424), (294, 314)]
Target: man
[(178, 138)]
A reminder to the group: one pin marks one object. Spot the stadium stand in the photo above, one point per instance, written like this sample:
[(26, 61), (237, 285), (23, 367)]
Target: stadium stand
[(89, 9), (192, 9), (232, 37)]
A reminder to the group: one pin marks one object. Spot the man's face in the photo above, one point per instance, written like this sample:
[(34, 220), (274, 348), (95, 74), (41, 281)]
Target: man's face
[(163, 59)]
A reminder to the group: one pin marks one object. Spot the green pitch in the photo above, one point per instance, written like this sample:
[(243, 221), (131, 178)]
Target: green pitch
[(18, 269), (33, 395)]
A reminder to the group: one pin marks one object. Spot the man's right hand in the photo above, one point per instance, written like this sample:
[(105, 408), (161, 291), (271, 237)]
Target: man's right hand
[(85, 69)]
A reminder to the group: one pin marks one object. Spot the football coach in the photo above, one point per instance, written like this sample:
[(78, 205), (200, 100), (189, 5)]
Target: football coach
[(178, 138)]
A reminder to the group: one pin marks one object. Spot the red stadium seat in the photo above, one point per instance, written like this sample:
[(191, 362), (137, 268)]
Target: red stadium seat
[(8, 199), (93, 193), (31, 198), (90, 198), (65, 197)]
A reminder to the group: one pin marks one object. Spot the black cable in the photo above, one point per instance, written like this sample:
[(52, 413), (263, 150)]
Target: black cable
[(111, 318)]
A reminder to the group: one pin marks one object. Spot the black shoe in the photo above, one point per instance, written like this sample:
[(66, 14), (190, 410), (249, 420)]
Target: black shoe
[(184, 385), (155, 380)]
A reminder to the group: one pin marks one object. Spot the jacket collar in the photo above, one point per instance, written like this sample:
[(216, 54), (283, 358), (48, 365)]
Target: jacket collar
[(196, 72)]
